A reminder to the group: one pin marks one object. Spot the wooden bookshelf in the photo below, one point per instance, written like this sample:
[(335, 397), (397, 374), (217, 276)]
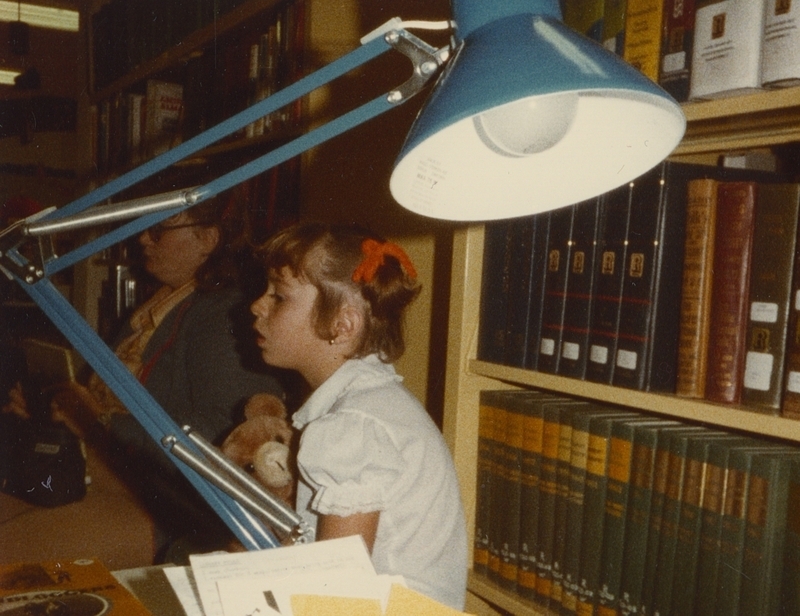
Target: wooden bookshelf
[(755, 121)]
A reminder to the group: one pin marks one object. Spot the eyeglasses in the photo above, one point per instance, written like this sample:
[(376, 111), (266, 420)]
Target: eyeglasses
[(157, 231)]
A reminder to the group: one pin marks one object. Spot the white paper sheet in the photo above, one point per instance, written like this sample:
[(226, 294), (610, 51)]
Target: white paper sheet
[(330, 555), (182, 581)]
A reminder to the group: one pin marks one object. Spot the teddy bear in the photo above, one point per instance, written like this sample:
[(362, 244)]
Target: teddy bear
[(262, 445)]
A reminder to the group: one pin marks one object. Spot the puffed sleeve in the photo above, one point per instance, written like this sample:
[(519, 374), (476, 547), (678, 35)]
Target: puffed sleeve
[(351, 463)]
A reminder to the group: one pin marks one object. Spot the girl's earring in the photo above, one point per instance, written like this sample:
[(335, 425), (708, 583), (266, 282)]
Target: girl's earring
[(332, 341)]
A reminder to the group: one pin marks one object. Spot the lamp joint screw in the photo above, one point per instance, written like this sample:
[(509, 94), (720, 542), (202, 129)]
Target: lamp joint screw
[(395, 96), (391, 37), (428, 67)]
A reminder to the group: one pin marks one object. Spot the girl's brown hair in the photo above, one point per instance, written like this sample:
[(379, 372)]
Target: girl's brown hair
[(327, 256)]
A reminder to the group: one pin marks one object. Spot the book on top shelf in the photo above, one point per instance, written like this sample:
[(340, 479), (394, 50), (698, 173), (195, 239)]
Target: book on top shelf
[(780, 53), (790, 405), (736, 203), (643, 34), (676, 48), (610, 265), (613, 37), (726, 58), (771, 277), (584, 16), (495, 291), (580, 283)]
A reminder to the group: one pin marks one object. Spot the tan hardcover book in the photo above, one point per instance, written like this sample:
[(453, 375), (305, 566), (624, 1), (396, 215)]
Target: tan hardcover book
[(732, 256), (643, 32)]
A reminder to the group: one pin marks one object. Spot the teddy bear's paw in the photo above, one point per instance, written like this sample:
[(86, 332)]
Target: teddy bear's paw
[(271, 464)]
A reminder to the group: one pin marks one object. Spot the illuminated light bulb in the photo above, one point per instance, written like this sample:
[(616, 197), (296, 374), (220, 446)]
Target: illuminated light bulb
[(527, 126)]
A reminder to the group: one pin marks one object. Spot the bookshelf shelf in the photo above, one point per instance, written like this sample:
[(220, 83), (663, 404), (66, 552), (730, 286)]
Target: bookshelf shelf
[(193, 42), (754, 121)]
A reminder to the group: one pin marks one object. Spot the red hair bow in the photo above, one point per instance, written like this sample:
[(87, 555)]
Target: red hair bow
[(375, 254)]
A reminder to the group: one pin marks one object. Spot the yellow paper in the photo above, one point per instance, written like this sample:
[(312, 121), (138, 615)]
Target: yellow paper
[(318, 605), (404, 601)]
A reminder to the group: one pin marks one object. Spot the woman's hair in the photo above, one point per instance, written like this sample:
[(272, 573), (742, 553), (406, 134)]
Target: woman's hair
[(328, 256), (223, 265)]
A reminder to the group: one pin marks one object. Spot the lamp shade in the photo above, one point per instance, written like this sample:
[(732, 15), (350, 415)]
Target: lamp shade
[(529, 116)]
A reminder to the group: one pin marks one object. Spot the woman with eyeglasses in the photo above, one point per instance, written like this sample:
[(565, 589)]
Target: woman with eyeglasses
[(183, 344)]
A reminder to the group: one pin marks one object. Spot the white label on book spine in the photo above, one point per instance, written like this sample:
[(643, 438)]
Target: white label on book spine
[(673, 62), (598, 354), (627, 359), (764, 312), (571, 350), (548, 346), (758, 370), (793, 382)]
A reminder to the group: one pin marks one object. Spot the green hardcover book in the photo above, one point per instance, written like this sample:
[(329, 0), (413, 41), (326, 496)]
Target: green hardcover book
[(621, 463), (732, 530), (614, 26), (490, 429), (532, 434), (575, 500), (670, 518), (594, 507), (548, 486), (790, 583), (689, 524), (497, 514), (659, 495), (637, 522), (771, 269), (771, 478), (560, 507)]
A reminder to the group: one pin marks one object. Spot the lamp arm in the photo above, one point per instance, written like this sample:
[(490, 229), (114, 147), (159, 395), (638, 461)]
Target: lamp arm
[(32, 272)]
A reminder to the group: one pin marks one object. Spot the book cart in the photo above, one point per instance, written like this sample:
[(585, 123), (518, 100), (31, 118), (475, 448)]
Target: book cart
[(760, 120)]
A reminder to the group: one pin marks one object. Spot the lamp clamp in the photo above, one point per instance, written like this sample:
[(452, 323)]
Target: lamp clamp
[(28, 268), (426, 61)]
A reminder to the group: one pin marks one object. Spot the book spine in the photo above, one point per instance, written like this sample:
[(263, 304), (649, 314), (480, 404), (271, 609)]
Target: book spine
[(483, 504), (547, 489), (536, 305), (580, 279), (560, 509), (780, 53), (532, 443), (732, 255), (676, 48), (574, 515), (643, 33), (495, 292), (615, 215), (765, 533), (585, 17), (498, 514), (774, 246), (594, 506), (726, 56), (523, 234), (559, 252), (790, 404), (790, 587), (510, 490), (613, 37), (698, 267)]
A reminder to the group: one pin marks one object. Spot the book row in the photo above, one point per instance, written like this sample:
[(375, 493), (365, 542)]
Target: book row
[(126, 33), (586, 508), (683, 281), (697, 49), (134, 125)]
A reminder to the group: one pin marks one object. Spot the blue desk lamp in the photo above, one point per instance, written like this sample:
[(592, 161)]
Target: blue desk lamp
[(527, 116)]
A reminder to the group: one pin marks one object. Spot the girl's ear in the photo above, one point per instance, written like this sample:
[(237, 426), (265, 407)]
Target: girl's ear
[(348, 325)]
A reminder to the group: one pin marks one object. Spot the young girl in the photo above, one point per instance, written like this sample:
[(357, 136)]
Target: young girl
[(371, 460)]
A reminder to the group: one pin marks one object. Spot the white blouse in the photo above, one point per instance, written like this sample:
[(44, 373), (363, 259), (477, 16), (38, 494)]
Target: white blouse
[(368, 445)]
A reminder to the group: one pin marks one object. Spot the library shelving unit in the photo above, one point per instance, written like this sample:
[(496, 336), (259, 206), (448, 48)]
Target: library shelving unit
[(755, 121)]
